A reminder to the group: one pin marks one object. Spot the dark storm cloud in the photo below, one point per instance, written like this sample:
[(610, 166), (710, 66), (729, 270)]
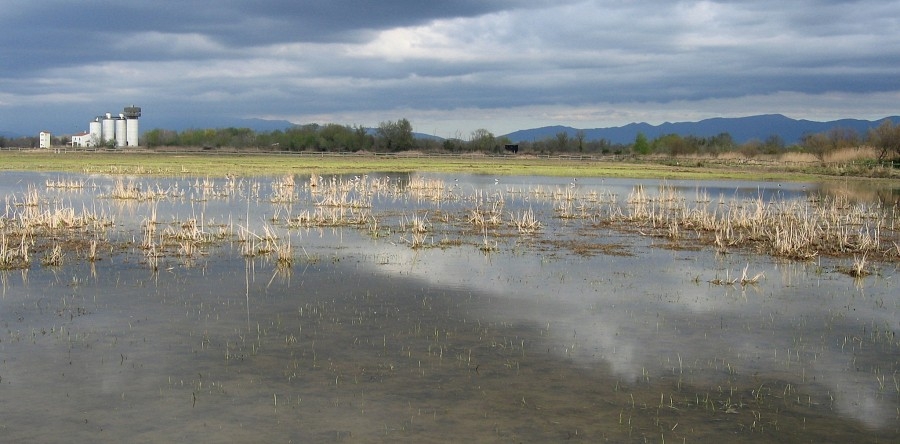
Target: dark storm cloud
[(520, 62), (46, 33)]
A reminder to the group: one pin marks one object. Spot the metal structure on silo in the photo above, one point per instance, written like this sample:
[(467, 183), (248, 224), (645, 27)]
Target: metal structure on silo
[(108, 128), (120, 131), (96, 132), (132, 134)]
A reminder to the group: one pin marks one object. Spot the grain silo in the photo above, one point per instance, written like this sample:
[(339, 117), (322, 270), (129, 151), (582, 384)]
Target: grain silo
[(109, 128), (96, 132), (120, 131), (132, 134)]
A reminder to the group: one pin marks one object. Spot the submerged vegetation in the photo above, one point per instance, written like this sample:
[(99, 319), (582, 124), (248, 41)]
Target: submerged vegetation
[(799, 229), (344, 344)]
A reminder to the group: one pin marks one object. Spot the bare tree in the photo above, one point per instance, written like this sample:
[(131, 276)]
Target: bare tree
[(886, 138), (816, 144), (843, 138), (562, 141)]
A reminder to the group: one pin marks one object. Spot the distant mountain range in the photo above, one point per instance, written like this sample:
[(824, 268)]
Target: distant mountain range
[(741, 129)]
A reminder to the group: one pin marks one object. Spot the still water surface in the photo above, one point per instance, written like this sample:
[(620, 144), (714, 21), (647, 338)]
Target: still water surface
[(366, 339)]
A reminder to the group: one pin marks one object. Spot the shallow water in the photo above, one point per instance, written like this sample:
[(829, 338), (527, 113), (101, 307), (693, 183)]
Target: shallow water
[(366, 339)]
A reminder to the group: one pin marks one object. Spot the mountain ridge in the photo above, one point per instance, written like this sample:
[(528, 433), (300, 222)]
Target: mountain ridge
[(741, 129)]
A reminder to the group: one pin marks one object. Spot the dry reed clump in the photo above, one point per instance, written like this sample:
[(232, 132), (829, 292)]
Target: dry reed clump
[(53, 257), (331, 217), (526, 222), (31, 198), (202, 189), (288, 181), (481, 218), (270, 245), (67, 184), (152, 257), (418, 230), (187, 236), (283, 190), (13, 255), (132, 191), (314, 181), (568, 193), (745, 279), (426, 189), (254, 244), (488, 245), (33, 221), (415, 240), (355, 193), (284, 255), (181, 238), (92, 255), (44, 217), (419, 224), (793, 229), (858, 269), (135, 170), (569, 209), (283, 195)]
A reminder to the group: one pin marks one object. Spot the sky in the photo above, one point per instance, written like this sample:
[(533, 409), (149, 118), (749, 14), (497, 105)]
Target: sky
[(449, 67)]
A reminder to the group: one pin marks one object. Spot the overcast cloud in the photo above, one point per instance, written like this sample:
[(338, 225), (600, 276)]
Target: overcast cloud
[(449, 67)]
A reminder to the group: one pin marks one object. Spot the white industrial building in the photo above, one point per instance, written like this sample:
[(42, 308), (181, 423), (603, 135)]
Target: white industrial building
[(81, 139), (108, 130), (45, 139)]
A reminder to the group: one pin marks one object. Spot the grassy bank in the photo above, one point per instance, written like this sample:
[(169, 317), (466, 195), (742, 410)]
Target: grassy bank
[(220, 164)]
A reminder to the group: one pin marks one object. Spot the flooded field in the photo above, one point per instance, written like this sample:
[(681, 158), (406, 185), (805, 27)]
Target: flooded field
[(436, 308)]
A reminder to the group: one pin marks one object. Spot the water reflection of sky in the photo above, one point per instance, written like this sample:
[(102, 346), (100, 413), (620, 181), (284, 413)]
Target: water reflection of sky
[(642, 313), (637, 313)]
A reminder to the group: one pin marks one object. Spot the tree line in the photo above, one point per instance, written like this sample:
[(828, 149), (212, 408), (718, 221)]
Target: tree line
[(395, 136), (389, 136), (885, 138)]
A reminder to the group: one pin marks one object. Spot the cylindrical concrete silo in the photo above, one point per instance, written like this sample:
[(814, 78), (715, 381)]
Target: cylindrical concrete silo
[(109, 128), (131, 125), (131, 132), (96, 132), (120, 131)]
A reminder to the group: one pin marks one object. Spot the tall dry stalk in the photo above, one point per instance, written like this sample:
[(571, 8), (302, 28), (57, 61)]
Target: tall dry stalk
[(526, 222), (858, 269), (92, 251), (284, 255), (53, 257)]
